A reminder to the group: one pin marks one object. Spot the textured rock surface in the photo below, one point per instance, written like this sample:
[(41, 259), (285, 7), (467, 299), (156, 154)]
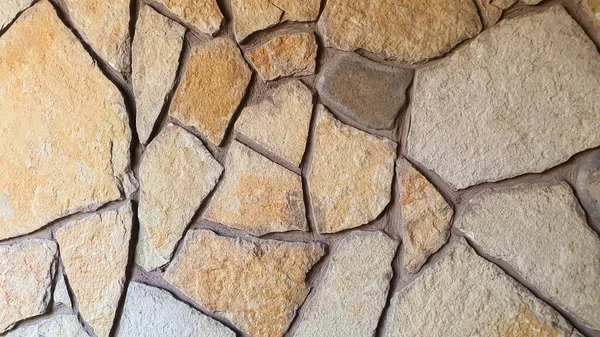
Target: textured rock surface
[(202, 14), (491, 10), (285, 55), (476, 117), (405, 30), (280, 123), (588, 186), (464, 295), (426, 216), (56, 326), (152, 312), (94, 252), (176, 174), (352, 294), (256, 284), (593, 6), (369, 93), (257, 195), (61, 294), (9, 10), (540, 230), (155, 58), (26, 272), (350, 181), (64, 135), (215, 83)]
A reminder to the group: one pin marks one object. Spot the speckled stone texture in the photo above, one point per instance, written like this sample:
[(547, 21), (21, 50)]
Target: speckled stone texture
[(9, 10), (55, 326), (202, 14)]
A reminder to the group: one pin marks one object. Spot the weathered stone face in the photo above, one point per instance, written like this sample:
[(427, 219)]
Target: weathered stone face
[(588, 186), (491, 10), (593, 6), (202, 14), (55, 326), (9, 10), (61, 294)]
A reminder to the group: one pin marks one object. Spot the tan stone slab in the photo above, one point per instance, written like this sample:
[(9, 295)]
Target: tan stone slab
[(256, 284), (202, 14), (61, 294), (294, 10), (64, 133), (55, 326), (491, 10), (9, 10), (593, 6)]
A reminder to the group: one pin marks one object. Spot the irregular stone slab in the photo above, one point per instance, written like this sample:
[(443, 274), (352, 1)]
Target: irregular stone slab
[(593, 6), (26, 273), (64, 135), (588, 186), (155, 58), (369, 93), (476, 117), (351, 176), (61, 294), (257, 195), (352, 294), (202, 14), (426, 215), (280, 123), (176, 174), (152, 312), (94, 252), (215, 83), (539, 229), (9, 10), (286, 55), (56, 326), (472, 298), (491, 10), (404, 30), (256, 284)]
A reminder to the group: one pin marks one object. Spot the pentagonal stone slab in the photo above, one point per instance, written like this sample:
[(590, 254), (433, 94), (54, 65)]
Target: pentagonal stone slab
[(55, 326), (203, 14)]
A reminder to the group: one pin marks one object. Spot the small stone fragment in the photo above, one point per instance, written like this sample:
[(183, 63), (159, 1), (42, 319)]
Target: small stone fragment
[(61, 294), (215, 83), (588, 186), (539, 230), (531, 2), (257, 195), (26, 273), (9, 10), (202, 14), (426, 215), (285, 55), (351, 177), (369, 93), (56, 326), (155, 58), (152, 312), (477, 118), (403, 30), (593, 6), (491, 10), (176, 174), (95, 252), (353, 293), (280, 123)]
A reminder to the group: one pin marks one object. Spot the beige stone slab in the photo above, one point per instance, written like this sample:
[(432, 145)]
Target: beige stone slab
[(55, 326), (202, 14), (9, 10), (593, 6), (61, 294)]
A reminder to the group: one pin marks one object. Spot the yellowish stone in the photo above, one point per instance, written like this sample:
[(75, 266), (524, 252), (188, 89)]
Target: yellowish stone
[(491, 10), (203, 14), (593, 6)]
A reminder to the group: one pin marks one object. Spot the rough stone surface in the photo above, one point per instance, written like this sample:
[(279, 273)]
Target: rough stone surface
[(257, 195), (593, 6), (9, 10), (56, 326), (352, 294), (491, 10), (477, 117), (351, 177), (152, 312), (426, 215), (64, 135), (280, 123), (155, 58), (588, 186), (215, 83), (176, 174), (61, 294), (26, 272), (370, 93), (285, 55), (464, 295), (94, 252), (256, 284), (539, 229), (404, 30), (202, 14)]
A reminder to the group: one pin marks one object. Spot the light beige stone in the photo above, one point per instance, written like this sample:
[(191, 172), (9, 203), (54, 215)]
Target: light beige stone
[(94, 252), (257, 195), (285, 55), (61, 294), (350, 181), (55, 326), (280, 123), (177, 172), (202, 14), (26, 272), (491, 10), (9, 10), (426, 216), (531, 2), (64, 134), (404, 30), (593, 6), (256, 284), (155, 58), (476, 117), (540, 230), (215, 83)]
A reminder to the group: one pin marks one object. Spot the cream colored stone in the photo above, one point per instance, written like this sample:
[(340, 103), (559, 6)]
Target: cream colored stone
[(256, 284), (26, 273), (155, 58), (9, 10), (280, 123), (61, 294), (350, 181), (257, 195), (94, 252), (64, 134), (55, 326), (176, 174), (203, 14), (215, 83)]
